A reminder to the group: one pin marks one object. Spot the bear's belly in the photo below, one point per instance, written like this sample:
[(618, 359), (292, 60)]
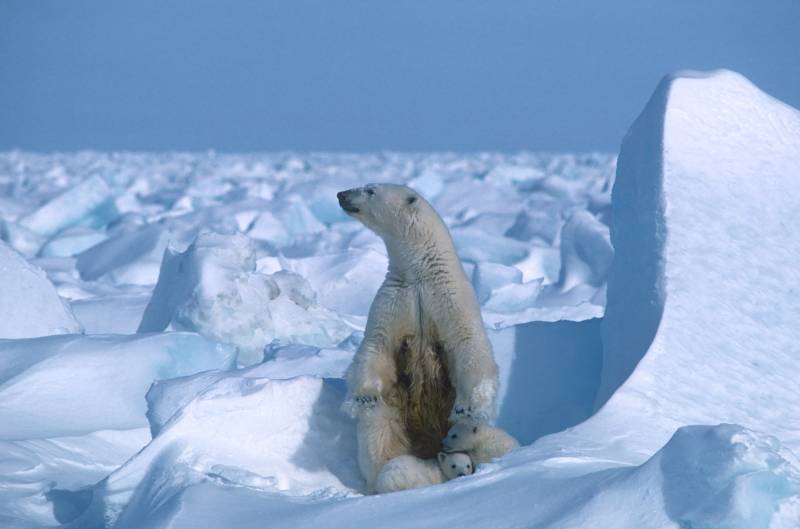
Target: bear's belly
[(425, 394)]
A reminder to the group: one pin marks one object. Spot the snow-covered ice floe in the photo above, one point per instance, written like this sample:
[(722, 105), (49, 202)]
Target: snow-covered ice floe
[(677, 409)]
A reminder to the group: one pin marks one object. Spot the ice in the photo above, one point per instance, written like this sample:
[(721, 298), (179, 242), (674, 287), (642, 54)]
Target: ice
[(279, 435), (111, 314), (93, 382), (72, 242), (345, 282), (89, 202), (541, 218), (698, 304), (429, 184), (133, 257), (30, 305), (475, 245), (586, 251), (489, 276), (213, 288), (698, 332), (514, 298), (515, 175), (47, 482)]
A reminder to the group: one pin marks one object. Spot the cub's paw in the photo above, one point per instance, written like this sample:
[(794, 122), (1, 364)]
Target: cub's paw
[(461, 413)]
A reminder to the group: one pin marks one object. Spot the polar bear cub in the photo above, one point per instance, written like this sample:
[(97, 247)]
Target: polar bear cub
[(481, 441), (409, 472)]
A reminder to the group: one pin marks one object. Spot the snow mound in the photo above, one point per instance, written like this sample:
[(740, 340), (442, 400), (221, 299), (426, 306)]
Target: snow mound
[(92, 382), (270, 435), (710, 477), (30, 304), (213, 288), (699, 298)]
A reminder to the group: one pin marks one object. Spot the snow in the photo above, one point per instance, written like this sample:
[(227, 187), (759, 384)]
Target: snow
[(214, 288), (93, 382), (700, 295), (31, 306), (666, 398)]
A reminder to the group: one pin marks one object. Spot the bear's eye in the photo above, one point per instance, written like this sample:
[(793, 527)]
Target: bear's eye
[(453, 466), (453, 436), (411, 200), (371, 192)]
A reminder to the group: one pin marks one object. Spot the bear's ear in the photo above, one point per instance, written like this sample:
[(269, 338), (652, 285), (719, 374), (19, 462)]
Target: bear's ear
[(411, 200), (441, 456)]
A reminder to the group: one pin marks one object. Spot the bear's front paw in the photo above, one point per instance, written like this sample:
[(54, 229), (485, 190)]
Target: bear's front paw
[(366, 402)]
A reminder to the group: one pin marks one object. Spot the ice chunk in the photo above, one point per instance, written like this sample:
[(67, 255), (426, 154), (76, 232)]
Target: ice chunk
[(521, 176), (281, 362), (541, 218), (213, 288), (21, 239), (295, 287), (476, 246), (586, 251), (72, 242), (311, 446), (111, 314), (93, 382), (268, 227), (514, 297), (30, 305), (345, 282), (90, 197), (132, 257), (489, 276), (429, 184)]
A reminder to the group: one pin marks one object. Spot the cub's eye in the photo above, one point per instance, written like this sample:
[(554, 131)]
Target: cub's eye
[(453, 466), (370, 192), (453, 436), (468, 466)]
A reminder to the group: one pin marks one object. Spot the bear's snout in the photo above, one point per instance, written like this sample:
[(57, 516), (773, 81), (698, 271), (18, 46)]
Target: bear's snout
[(345, 201)]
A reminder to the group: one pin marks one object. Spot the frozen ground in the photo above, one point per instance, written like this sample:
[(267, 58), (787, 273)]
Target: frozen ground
[(189, 374)]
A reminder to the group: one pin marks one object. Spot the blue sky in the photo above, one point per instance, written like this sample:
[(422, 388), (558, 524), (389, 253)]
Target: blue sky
[(366, 75)]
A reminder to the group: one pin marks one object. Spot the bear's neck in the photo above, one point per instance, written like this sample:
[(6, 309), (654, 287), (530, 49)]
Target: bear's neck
[(429, 257)]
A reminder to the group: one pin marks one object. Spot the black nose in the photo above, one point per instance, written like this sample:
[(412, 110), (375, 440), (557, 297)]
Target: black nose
[(340, 195)]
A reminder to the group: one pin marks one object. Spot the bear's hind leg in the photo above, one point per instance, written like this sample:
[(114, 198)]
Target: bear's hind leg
[(381, 437)]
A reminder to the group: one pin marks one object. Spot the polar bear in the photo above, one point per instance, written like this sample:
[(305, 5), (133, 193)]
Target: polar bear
[(425, 360), (481, 441), (409, 472)]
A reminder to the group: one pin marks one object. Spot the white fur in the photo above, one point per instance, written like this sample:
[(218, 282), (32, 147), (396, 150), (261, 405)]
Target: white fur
[(426, 293), (409, 472), (481, 441)]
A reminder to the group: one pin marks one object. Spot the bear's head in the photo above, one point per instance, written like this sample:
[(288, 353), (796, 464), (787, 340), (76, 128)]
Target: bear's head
[(455, 464), (392, 211), (462, 436)]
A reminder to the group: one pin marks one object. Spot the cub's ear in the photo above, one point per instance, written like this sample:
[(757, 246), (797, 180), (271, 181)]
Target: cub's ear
[(441, 456), (411, 200)]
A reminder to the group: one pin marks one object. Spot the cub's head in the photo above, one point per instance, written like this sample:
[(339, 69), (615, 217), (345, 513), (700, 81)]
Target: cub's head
[(462, 436), (455, 464), (387, 209)]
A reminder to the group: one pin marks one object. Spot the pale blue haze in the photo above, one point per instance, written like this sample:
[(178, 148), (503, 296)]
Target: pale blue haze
[(366, 75)]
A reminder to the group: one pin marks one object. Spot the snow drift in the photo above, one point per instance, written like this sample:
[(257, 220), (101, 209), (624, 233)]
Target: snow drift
[(30, 304)]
